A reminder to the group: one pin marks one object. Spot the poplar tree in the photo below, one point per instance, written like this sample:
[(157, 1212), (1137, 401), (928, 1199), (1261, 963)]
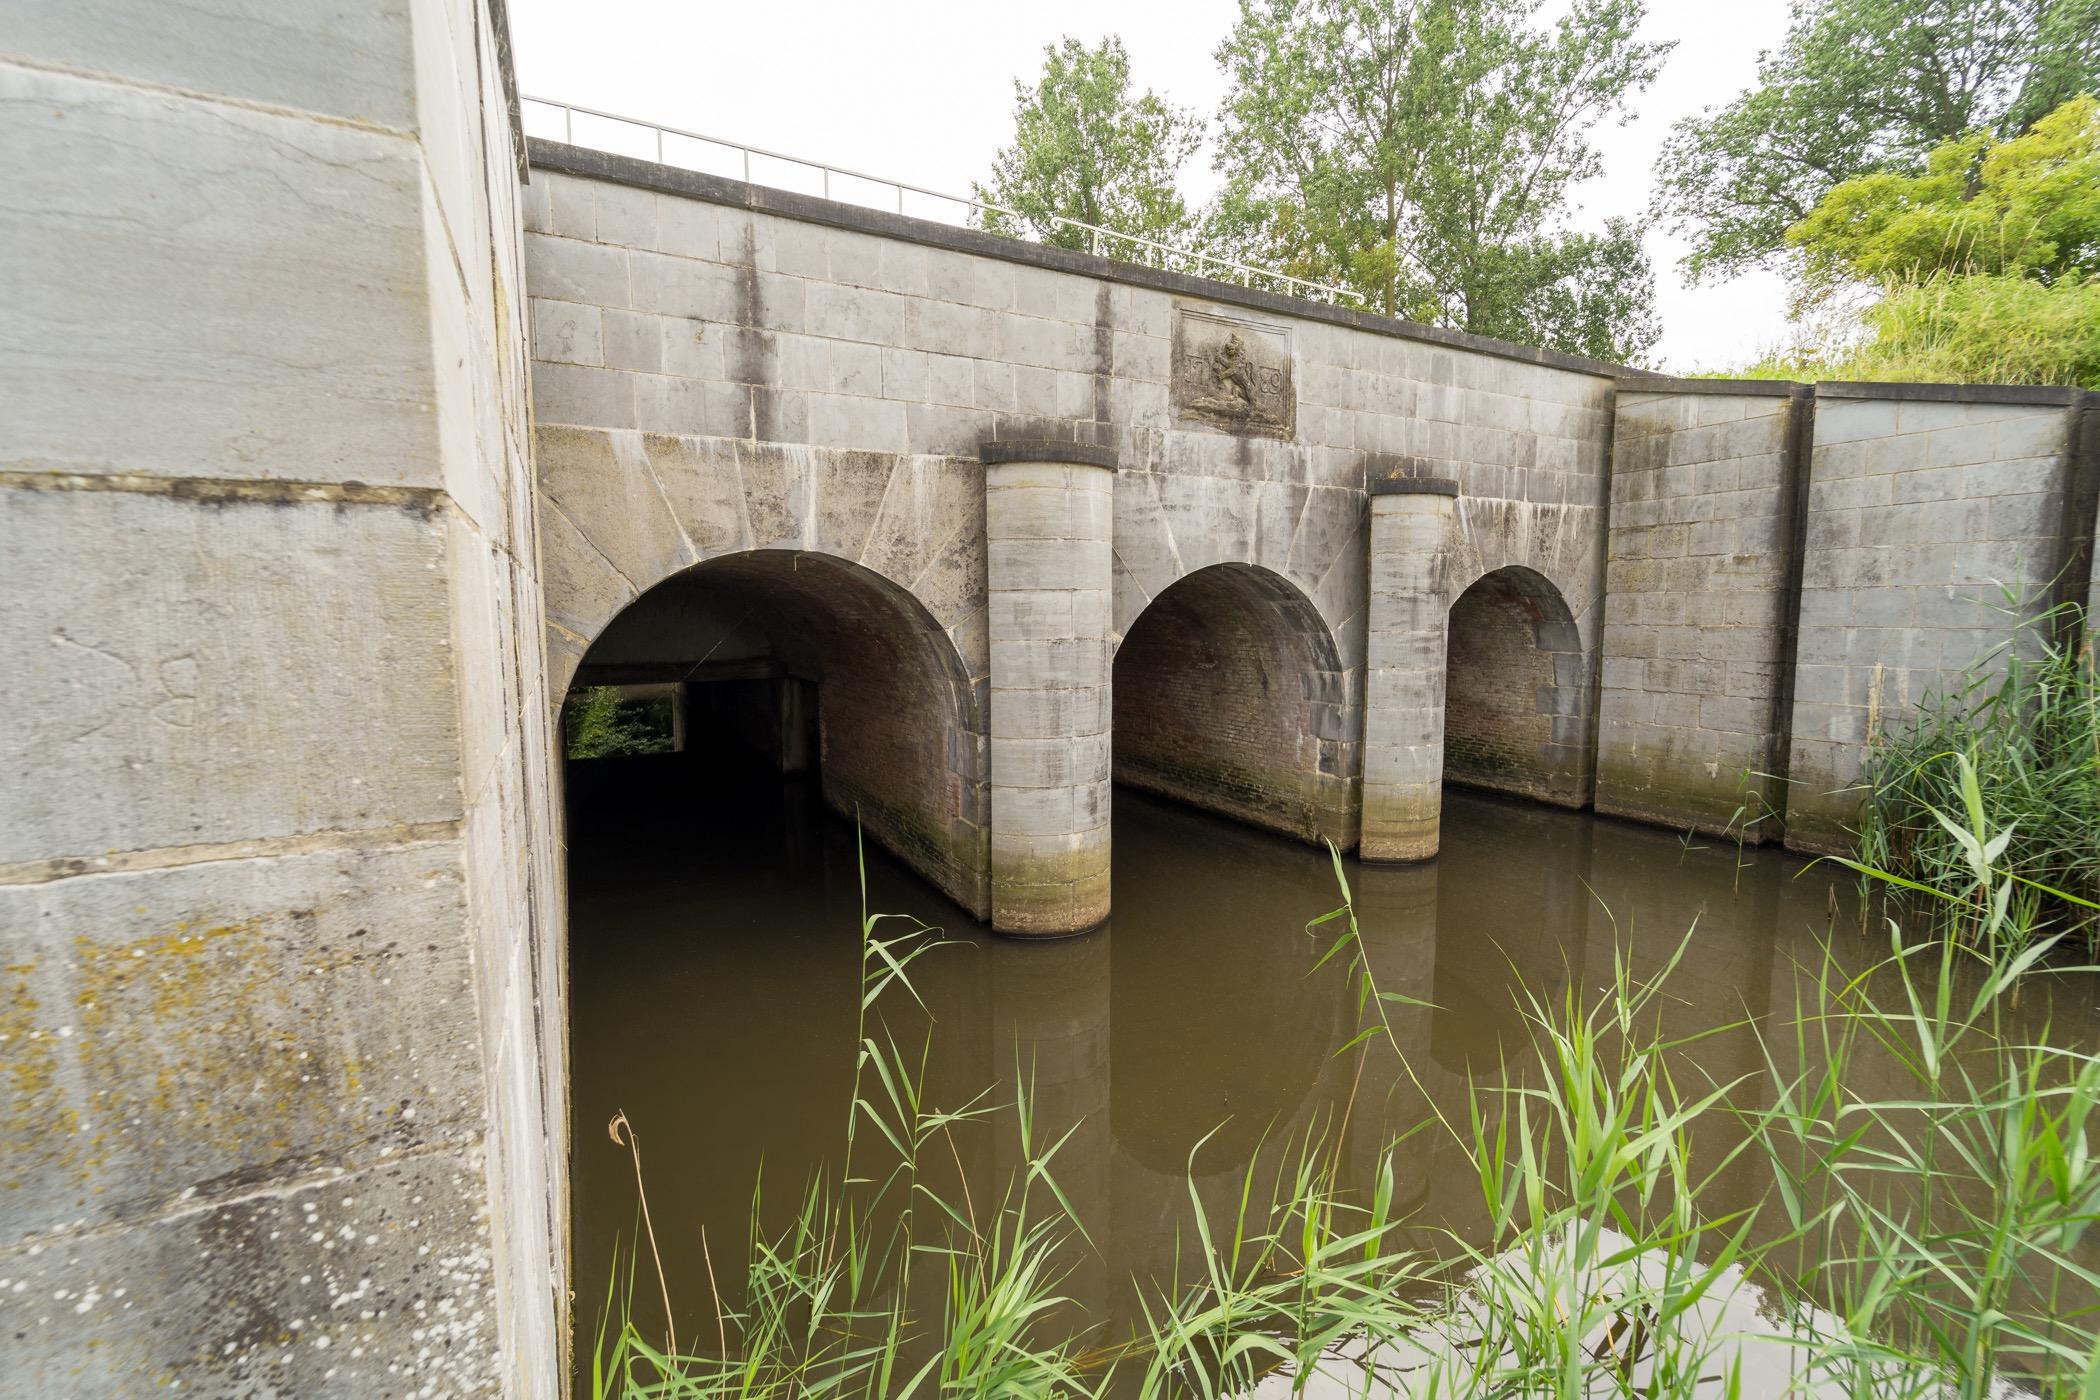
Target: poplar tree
[(1425, 154), (1087, 147)]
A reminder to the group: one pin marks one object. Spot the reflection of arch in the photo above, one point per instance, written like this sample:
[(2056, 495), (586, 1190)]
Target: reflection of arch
[(1249, 1042), (899, 725), (1516, 689), (1230, 695)]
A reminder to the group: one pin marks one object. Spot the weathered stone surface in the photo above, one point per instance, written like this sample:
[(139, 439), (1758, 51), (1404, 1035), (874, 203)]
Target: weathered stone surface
[(278, 688), (1047, 528), (1233, 372), (371, 1282), (158, 706), (203, 1029), (267, 319), (1701, 558), (351, 62), (1403, 726)]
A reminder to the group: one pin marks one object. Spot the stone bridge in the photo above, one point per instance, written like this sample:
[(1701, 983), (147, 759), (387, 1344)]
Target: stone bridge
[(348, 433), (1004, 504)]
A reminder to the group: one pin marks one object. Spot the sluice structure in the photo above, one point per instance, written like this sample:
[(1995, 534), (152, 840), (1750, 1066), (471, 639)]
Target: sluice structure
[(350, 432)]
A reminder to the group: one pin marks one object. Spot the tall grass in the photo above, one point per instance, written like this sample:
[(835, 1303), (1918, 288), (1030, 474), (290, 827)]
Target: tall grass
[(1954, 328), (1999, 775), (1922, 1227)]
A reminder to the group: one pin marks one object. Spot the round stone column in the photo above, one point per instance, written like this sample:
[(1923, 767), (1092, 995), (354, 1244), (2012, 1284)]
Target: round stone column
[(1411, 527), (1048, 515)]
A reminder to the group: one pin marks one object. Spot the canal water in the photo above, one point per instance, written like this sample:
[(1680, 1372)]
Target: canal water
[(715, 992)]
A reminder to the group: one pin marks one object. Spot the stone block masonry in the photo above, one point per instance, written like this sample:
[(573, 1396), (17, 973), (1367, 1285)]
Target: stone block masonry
[(1404, 699), (722, 368), (1048, 512), (1703, 561), (1940, 521), (283, 1106)]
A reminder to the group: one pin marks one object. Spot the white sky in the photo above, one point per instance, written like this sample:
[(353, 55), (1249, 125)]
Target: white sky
[(923, 93)]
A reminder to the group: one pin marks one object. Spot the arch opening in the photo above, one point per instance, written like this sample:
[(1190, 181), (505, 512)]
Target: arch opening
[(1230, 695), (814, 666), (1514, 686)]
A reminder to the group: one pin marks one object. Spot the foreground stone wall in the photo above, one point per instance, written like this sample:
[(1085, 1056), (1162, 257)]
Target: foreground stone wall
[(283, 1104)]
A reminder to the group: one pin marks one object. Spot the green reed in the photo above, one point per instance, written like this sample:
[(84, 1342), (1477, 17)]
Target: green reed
[(1921, 1227), (2010, 757)]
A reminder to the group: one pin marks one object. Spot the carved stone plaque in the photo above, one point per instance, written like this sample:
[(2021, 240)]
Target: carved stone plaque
[(1233, 373)]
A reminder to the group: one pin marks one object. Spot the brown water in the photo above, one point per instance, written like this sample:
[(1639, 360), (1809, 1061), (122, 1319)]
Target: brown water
[(714, 963)]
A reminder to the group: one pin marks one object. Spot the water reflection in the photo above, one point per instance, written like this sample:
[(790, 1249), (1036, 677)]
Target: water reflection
[(714, 961)]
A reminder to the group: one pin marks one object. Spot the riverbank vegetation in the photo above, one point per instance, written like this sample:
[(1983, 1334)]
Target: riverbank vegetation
[(1979, 268), (1918, 1224), (603, 723), (1999, 780)]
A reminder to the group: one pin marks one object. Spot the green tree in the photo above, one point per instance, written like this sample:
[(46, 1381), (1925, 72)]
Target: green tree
[(1860, 86), (1423, 152), (602, 723), (1086, 148), (2027, 207), (1983, 266)]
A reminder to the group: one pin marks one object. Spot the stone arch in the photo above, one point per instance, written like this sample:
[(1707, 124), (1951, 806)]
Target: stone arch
[(755, 638), (1230, 694), (1516, 689)]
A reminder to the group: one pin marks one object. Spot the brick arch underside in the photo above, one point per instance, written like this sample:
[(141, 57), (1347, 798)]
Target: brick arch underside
[(1230, 695), (1514, 690), (900, 726)]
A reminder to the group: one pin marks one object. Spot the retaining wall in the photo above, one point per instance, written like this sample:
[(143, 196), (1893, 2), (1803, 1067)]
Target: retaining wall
[(282, 1044)]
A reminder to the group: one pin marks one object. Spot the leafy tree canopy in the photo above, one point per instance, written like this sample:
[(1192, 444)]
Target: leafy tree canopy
[(2029, 206), (1860, 86), (1086, 148), (603, 723), (1422, 153)]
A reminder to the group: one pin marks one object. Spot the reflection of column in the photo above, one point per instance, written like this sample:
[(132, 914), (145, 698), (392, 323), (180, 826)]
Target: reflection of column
[(1411, 520), (1396, 914), (1047, 516), (1050, 1017)]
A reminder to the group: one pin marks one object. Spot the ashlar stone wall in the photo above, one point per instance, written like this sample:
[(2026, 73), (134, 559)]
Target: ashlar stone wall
[(282, 1108), (1706, 486), (1940, 520)]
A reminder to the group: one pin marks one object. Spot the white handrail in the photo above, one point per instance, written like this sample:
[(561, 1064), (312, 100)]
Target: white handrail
[(1095, 233)]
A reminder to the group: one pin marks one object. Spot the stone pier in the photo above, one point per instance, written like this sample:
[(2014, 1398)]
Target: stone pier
[(1411, 524), (1048, 520)]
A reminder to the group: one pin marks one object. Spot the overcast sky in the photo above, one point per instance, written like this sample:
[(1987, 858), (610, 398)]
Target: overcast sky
[(923, 92)]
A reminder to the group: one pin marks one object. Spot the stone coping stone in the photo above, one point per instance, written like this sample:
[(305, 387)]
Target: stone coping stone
[(563, 159), (2044, 394), (1397, 474), (1736, 388), (1412, 486), (993, 451)]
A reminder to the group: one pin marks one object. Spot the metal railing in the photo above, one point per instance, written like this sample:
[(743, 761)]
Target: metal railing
[(1099, 239)]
